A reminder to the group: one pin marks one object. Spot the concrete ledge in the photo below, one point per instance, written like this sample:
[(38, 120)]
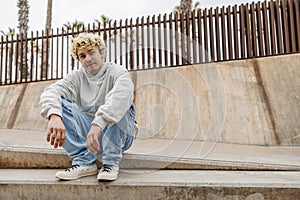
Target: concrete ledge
[(161, 184), (28, 149)]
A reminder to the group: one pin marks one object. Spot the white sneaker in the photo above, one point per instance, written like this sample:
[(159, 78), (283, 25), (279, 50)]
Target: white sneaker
[(108, 173), (77, 171)]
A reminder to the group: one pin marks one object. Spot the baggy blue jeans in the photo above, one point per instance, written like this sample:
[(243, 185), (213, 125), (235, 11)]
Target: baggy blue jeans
[(113, 141)]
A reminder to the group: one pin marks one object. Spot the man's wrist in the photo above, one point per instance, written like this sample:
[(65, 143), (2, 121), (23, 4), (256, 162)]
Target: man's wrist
[(52, 116)]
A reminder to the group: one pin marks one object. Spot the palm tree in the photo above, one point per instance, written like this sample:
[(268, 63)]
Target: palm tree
[(104, 20), (77, 25), (186, 6), (23, 28), (46, 42), (10, 32)]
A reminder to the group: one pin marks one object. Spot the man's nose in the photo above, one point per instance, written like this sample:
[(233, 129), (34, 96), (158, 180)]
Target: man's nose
[(88, 58)]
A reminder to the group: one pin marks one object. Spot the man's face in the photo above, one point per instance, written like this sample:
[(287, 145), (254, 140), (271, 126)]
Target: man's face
[(91, 59)]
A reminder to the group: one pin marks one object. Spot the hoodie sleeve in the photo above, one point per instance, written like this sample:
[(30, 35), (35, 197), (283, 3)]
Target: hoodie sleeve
[(117, 101), (50, 100)]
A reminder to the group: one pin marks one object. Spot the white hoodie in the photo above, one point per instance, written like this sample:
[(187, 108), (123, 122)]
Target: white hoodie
[(108, 95)]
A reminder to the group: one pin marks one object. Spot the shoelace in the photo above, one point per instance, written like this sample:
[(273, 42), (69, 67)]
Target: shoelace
[(107, 168), (72, 168)]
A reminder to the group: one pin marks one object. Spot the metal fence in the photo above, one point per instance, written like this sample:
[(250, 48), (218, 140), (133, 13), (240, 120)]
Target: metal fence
[(219, 34)]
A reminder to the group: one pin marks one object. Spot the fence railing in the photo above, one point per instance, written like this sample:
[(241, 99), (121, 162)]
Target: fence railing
[(220, 34)]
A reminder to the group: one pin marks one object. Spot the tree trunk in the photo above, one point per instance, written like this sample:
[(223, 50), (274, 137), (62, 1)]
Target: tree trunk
[(45, 57), (23, 28), (185, 7)]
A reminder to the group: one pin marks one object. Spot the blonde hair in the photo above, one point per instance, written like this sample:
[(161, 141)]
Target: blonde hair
[(87, 39)]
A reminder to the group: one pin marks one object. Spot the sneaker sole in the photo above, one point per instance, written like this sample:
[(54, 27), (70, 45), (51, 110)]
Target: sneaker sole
[(107, 178), (90, 173)]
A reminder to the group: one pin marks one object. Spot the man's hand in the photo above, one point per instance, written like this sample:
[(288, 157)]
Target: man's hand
[(56, 131), (92, 141)]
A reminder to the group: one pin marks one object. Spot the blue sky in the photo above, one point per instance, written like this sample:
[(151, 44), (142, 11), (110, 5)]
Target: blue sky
[(89, 10)]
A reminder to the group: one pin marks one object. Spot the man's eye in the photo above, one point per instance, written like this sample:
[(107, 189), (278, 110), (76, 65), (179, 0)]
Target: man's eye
[(81, 57), (92, 52)]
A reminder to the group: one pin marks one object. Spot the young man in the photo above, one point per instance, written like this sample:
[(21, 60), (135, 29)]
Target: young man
[(91, 111)]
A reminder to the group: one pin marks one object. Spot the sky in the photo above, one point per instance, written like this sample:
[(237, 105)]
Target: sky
[(87, 11)]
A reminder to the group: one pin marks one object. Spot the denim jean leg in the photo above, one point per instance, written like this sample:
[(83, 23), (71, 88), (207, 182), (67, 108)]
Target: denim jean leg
[(118, 138), (77, 126)]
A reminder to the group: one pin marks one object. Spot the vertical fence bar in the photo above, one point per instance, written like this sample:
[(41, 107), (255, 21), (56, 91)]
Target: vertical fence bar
[(47, 54), (183, 38), (266, 29), (121, 43), (131, 50), (109, 42), (278, 27), (31, 56), (217, 34), (272, 28), (52, 55), (224, 43), (248, 32), (62, 53), (148, 43), (143, 42), (200, 49), (7, 68), (187, 38), (242, 30), (26, 60), (259, 29), (15, 78), (211, 35), (126, 44), (165, 40), (42, 56), (235, 33), (194, 37), (1, 60), (115, 42), (57, 47), (68, 53), (229, 29), (159, 41), (137, 43), (21, 58), (286, 38), (10, 55), (205, 35), (297, 17), (254, 30), (153, 41), (290, 10), (176, 39), (171, 39)]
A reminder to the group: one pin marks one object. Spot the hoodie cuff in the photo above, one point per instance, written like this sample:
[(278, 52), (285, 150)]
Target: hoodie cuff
[(54, 111), (100, 121)]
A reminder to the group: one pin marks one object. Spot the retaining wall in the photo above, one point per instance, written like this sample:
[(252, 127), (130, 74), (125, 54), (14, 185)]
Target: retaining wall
[(253, 101)]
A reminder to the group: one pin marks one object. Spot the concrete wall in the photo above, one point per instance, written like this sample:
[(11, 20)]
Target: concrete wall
[(254, 101)]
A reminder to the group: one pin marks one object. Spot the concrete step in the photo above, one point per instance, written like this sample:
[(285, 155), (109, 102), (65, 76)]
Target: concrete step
[(153, 184), (28, 149)]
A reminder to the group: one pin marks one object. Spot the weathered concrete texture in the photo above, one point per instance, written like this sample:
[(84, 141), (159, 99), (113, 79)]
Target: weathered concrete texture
[(250, 101), (165, 184), (280, 78), (231, 102), (29, 113), (9, 96)]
